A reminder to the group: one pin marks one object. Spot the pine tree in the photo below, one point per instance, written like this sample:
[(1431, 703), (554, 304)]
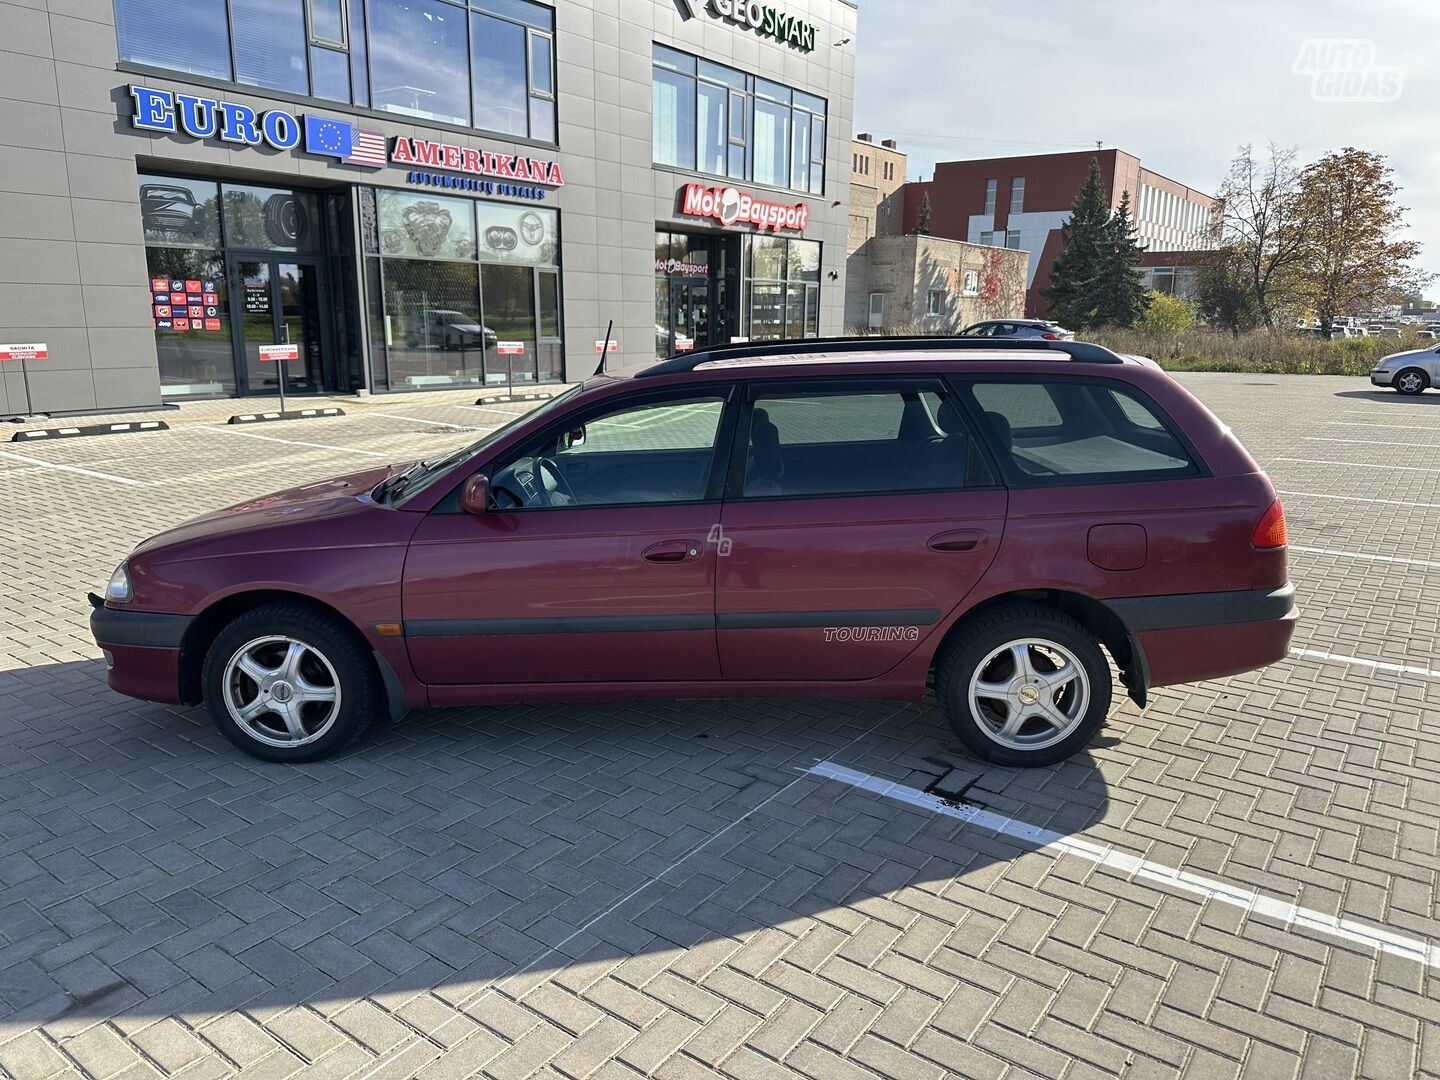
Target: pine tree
[(922, 217), (1121, 300), (1075, 278)]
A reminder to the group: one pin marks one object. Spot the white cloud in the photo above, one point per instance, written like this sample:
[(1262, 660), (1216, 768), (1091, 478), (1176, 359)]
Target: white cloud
[(1181, 86)]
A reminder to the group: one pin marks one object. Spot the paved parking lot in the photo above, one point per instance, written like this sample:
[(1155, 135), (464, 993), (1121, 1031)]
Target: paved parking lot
[(1240, 880)]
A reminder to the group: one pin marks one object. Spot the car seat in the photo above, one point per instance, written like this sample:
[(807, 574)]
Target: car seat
[(764, 465)]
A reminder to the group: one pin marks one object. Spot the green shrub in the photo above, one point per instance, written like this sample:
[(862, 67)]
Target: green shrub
[(1259, 351)]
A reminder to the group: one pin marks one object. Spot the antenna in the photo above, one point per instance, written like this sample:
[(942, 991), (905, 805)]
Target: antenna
[(605, 348)]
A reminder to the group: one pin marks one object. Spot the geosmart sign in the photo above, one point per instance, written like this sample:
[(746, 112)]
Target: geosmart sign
[(767, 21)]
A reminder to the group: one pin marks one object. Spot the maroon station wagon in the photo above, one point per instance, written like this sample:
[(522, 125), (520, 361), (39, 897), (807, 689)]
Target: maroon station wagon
[(834, 518)]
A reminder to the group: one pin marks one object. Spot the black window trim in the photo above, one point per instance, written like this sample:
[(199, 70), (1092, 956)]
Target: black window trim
[(719, 459), (1013, 478), (845, 384)]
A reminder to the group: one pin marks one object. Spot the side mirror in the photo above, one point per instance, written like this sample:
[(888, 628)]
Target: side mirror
[(573, 438), (476, 496)]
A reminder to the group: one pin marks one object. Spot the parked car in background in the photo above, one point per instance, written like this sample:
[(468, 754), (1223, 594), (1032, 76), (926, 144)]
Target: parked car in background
[(1383, 330), (439, 328), (1044, 329), (1411, 372), (817, 518)]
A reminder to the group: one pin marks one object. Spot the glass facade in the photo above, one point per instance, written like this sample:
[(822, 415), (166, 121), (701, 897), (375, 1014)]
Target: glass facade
[(723, 122), (490, 65), (461, 292), (783, 288)]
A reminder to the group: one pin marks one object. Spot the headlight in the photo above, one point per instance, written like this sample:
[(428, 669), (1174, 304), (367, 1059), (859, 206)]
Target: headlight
[(119, 588)]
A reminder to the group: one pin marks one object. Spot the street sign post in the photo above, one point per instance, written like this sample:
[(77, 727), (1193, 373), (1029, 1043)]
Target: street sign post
[(35, 350)]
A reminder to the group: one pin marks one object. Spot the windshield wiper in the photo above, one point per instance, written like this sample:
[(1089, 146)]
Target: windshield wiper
[(389, 489)]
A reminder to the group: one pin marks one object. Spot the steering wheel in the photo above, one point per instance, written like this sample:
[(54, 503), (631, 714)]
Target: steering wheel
[(562, 486)]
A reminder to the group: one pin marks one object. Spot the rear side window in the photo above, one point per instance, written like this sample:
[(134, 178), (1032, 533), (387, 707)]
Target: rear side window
[(1069, 430)]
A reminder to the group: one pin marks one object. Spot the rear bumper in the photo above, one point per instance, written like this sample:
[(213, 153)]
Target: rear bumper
[(1190, 637), (142, 650)]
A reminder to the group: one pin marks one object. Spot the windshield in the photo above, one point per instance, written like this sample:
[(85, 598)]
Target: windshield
[(404, 486)]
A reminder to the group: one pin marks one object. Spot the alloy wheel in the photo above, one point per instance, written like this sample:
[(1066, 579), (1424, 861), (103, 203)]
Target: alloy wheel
[(1029, 694), (281, 691)]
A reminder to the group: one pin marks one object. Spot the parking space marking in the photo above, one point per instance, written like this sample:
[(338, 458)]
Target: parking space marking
[(417, 420), (1358, 498), (296, 442), (1368, 558), (69, 468), (1252, 903), (1370, 442), (1371, 423), (1378, 665), (1357, 464)]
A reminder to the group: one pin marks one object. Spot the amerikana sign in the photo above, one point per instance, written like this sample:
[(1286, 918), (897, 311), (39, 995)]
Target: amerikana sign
[(727, 206)]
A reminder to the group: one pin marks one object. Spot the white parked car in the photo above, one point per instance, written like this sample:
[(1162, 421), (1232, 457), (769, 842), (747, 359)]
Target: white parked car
[(1411, 372)]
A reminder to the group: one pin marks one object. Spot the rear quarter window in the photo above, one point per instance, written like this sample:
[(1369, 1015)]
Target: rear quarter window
[(1075, 431)]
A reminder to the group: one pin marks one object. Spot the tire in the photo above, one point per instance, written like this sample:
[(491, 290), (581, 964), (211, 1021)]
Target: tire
[(1054, 720), (331, 658), (1411, 381)]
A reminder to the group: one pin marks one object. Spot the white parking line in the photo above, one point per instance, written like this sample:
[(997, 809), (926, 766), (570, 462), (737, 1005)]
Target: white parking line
[(1252, 903), (1369, 423), (417, 420), (296, 442), (1371, 442), (1357, 464), (1368, 558), (1357, 498), (69, 468), (1378, 665)]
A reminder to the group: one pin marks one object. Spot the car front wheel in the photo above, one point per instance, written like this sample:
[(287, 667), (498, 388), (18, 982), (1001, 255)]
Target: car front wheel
[(1411, 381), (284, 682), (1023, 685)]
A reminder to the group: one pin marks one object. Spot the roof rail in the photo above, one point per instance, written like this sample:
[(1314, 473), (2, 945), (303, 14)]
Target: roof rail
[(1080, 351)]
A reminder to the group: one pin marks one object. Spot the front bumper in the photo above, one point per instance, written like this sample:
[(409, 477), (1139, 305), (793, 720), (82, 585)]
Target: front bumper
[(1381, 378), (142, 650)]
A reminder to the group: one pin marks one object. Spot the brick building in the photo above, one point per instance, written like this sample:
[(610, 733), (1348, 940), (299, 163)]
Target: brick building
[(877, 174), (1021, 202)]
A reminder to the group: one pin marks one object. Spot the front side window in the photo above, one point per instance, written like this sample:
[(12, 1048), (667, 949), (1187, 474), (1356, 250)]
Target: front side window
[(1068, 430), (821, 441), (659, 452)]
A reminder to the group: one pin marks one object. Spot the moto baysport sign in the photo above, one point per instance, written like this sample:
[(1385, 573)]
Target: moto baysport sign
[(728, 206)]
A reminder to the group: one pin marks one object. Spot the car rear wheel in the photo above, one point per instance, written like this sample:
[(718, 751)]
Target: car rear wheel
[(1023, 685), (1412, 381), (284, 682)]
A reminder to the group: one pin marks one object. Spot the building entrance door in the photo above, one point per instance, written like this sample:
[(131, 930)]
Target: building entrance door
[(279, 300), (690, 322)]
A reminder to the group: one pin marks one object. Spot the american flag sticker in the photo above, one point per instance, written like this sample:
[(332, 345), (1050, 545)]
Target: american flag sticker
[(369, 150)]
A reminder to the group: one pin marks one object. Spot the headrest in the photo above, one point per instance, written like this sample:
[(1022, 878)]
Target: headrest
[(1000, 424), (949, 418)]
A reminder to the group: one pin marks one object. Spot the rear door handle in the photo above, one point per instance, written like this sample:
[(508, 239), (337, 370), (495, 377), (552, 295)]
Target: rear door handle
[(960, 540), (672, 551)]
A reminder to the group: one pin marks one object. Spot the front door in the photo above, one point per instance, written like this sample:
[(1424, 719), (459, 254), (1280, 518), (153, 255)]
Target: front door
[(591, 566), (279, 301), (862, 514), (690, 324)]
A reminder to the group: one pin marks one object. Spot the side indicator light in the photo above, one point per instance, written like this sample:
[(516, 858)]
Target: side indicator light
[(390, 629)]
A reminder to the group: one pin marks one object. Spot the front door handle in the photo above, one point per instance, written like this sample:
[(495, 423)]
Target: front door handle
[(960, 540), (672, 551)]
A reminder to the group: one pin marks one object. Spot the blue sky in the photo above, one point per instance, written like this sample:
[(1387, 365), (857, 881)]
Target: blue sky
[(1180, 85)]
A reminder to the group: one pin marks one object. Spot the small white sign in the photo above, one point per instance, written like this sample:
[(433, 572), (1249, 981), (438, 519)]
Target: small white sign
[(32, 351), (279, 352), (510, 348), (607, 346)]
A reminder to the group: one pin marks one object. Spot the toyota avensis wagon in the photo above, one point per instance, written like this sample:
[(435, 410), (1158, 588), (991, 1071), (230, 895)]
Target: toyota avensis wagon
[(846, 518)]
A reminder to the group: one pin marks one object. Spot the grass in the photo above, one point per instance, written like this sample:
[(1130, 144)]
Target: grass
[(1258, 351)]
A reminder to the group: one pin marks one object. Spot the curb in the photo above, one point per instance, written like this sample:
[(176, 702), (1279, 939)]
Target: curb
[(492, 399), (292, 414), (89, 429)]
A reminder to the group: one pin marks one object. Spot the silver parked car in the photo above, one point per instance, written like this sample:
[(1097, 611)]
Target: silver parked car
[(1019, 328), (1411, 372)]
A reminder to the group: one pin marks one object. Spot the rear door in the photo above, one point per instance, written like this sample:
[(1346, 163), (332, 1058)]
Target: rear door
[(858, 512)]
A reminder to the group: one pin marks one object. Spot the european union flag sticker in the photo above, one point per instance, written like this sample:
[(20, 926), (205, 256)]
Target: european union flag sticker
[(333, 138)]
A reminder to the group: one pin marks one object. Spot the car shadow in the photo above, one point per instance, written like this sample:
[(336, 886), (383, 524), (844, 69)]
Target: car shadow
[(149, 869), (1390, 397)]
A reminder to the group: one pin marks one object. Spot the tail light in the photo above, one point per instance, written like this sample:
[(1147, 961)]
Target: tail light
[(1048, 336), (1270, 529)]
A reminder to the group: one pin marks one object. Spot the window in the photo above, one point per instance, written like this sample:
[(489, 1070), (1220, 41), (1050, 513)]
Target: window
[(825, 441), (971, 285), (1059, 431), (934, 303), (990, 187), (987, 239), (723, 122), (784, 288), (493, 67), (650, 453), (1017, 195), (1012, 238), (877, 310)]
